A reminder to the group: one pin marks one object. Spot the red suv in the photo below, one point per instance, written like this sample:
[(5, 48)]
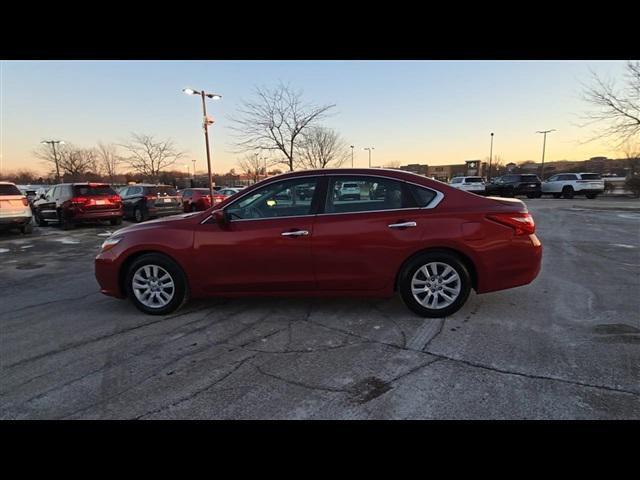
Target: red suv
[(198, 199), (72, 203), (430, 242)]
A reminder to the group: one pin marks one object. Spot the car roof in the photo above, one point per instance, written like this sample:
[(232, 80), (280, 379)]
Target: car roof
[(7, 183)]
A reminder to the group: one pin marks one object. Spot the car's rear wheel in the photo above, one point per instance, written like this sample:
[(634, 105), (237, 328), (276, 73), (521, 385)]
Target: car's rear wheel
[(591, 196), (435, 284), (138, 215), (567, 192), (531, 195), (65, 223), (156, 284), (28, 228), (557, 195)]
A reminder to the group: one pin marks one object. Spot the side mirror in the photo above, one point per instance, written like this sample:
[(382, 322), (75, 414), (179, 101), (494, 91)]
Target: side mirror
[(220, 217)]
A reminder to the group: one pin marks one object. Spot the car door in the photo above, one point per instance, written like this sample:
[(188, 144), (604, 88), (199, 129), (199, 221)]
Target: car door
[(265, 246), (47, 206), (358, 245), (551, 185)]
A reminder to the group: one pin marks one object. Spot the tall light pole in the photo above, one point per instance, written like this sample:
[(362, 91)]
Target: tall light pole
[(206, 122), (194, 168), (490, 156), (352, 147), (55, 155), (369, 148), (544, 144)]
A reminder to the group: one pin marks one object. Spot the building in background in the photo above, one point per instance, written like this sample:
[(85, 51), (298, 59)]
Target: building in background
[(420, 169)]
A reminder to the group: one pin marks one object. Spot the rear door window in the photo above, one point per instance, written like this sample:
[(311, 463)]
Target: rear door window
[(423, 196), (363, 194), (591, 176)]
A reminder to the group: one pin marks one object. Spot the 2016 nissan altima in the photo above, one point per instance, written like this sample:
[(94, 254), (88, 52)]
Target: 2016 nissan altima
[(419, 237)]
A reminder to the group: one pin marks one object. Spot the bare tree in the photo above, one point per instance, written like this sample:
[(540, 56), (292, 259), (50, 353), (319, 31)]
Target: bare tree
[(148, 156), (108, 159), (73, 161), (321, 147), (22, 176), (253, 166), (632, 154), (275, 120), (618, 111)]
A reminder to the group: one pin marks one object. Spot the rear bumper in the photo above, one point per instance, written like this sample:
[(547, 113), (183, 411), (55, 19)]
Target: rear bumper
[(15, 220), (77, 216), (519, 264)]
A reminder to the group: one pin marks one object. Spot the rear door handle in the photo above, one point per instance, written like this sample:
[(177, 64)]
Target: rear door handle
[(295, 233), (403, 225)]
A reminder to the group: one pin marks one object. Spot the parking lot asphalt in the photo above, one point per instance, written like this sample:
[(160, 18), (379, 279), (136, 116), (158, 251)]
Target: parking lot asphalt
[(566, 346)]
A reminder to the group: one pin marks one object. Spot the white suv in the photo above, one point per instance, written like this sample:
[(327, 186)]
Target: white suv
[(14, 208), (349, 190), (567, 185), (469, 184)]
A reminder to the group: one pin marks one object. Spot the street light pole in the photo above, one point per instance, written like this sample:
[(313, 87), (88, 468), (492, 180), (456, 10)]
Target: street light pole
[(352, 147), (369, 149), (213, 96), (490, 156), (194, 168), (544, 144), (55, 155)]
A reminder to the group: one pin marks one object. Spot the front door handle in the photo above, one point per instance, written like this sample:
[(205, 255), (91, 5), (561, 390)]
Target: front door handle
[(403, 225), (295, 233)]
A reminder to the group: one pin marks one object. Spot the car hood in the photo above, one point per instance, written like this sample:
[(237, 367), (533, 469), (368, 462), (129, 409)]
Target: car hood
[(157, 223)]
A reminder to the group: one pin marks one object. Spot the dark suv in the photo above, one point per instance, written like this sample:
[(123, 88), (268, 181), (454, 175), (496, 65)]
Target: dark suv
[(515, 184), (72, 203), (144, 201)]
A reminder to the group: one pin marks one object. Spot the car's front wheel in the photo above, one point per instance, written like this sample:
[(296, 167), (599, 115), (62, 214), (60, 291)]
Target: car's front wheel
[(435, 284), (156, 284)]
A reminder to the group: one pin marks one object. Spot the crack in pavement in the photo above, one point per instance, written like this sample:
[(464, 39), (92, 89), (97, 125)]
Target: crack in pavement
[(48, 303), (235, 368), (487, 367)]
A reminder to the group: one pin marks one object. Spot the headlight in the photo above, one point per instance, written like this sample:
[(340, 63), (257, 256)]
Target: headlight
[(110, 243)]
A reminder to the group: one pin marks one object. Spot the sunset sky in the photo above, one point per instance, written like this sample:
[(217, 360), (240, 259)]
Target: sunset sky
[(434, 112)]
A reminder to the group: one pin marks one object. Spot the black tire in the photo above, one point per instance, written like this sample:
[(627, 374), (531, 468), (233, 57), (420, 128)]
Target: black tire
[(416, 263), (567, 192), (41, 222), (538, 195), (174, 270), (65, 223), (26, 229), (557, 195), (139, 215), (531, 195), (116, 221), (591, 196)]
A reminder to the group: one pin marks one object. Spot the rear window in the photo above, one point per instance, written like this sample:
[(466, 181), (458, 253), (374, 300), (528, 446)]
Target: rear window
[(162, 191), (93, 190), (528, 178), (423, 196), (473, 180), (9, 190), (591, 176)]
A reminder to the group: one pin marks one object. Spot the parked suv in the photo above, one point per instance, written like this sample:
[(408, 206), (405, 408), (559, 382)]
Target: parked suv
[(14, 208), (144, 201), (349, 191), (469, 184), (515, 184), (569, 184), (73, 203), (198, 199)]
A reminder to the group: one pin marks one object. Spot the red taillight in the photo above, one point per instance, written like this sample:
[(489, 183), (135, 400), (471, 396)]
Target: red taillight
[(79, 200), (522, 223), (115, 199), (25, 202)]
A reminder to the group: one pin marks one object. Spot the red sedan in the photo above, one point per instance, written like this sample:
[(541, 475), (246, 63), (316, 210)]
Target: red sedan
[(199, 199), (419, 237)]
